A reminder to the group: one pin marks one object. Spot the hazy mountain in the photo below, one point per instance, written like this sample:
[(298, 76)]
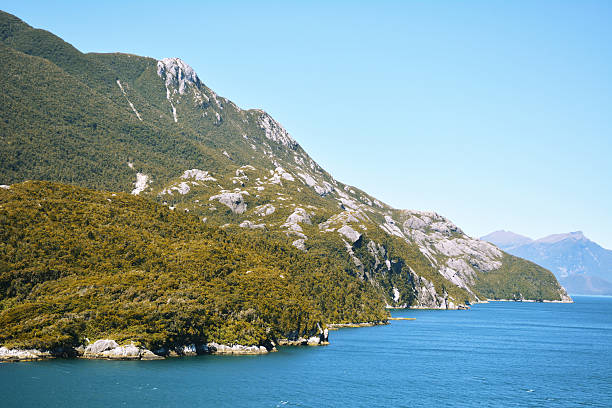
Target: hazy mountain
[(506, 239), (581, 265), (152, 128)]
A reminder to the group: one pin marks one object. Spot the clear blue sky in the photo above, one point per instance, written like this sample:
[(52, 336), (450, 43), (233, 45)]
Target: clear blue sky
[(495, 114)]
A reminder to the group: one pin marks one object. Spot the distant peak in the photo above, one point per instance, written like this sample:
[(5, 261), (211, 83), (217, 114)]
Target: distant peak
[(177, 72), (551, 239), (506, 239)]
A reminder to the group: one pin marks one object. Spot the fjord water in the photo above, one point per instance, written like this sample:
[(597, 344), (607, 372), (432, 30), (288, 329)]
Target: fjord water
[(497, 354)]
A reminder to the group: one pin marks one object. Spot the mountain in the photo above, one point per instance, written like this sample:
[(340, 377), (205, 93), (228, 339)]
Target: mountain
[(506, 239), (581, 265), (124, 123)]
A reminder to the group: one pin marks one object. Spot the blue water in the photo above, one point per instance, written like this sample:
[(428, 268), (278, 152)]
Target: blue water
[(498, 354)]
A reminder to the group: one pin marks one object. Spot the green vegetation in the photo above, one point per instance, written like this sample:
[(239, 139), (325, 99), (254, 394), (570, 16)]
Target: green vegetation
[(518, 279), (78, 263)]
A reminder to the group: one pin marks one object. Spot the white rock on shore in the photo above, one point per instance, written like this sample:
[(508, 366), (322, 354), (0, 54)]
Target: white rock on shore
[(22, 355), (109, 349), (216, 348)]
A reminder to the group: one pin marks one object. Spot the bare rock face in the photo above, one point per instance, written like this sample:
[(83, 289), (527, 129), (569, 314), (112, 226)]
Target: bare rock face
[(274, 131), (234, 201), (349, 233), (427, 297), (176, 73)]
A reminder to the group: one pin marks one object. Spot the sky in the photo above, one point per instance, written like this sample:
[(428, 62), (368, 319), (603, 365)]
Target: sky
[(495, 114)]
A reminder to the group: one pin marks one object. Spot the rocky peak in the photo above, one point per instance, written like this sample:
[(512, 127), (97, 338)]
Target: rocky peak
[(175, 72)]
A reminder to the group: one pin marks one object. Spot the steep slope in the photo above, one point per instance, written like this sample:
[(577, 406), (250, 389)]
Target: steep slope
[(77, 263), (581, 265), (165, 135)]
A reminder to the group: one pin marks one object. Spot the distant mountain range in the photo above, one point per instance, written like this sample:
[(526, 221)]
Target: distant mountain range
[(581, 265)]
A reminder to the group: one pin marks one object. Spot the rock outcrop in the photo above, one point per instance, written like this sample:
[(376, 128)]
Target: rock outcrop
[(234, 201), (216, 348), (23, 355), (109, 349)]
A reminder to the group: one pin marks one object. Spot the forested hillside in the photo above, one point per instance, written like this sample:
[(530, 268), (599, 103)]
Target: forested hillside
[(77, 263)]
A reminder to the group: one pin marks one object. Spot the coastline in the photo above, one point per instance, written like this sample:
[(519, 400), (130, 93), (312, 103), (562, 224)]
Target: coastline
[(107, 349), (336, 326), (530, 301)]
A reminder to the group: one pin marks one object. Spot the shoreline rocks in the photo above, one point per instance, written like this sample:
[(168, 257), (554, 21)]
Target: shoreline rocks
[(223, 349), (320, 339), (335, 326), (565, 300), (110, 350), (23, 355)]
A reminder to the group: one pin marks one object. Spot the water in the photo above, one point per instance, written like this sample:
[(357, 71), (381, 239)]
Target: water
[(497, 354)]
